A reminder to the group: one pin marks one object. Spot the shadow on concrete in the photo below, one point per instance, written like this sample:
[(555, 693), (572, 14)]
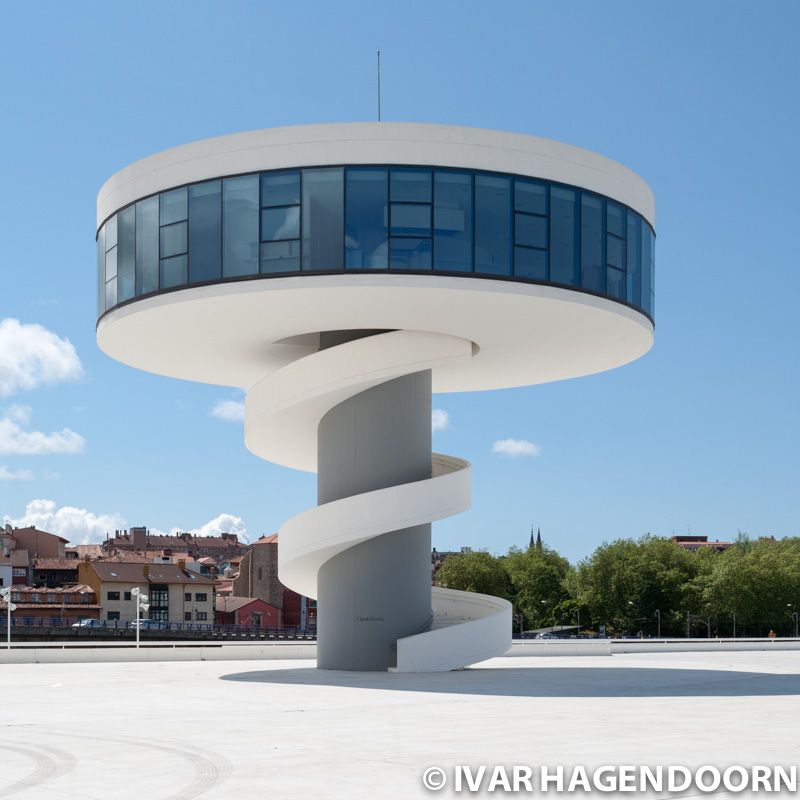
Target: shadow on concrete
[(611, 682)]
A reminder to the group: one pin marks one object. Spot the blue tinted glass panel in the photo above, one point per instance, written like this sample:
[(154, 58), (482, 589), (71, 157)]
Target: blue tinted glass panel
[(101, 272), (616, 283), (173, 239), (530, 263), (240, 245), (111, 293), (280, 223), (111, 266), (530, 231), (562, 236), (652, 274), (452, 221), (174, 206), (366, 219), (173, 271), (205, 231), (323, 219), (492, 224), (280, 189), (126, 253), (530, 197), (280, 256), (411, 219), (410, 253), (147, 246), (647, 242), (634, 259), (411, 186), (111, 232), (615, 216), (615, 252), (593, 268)]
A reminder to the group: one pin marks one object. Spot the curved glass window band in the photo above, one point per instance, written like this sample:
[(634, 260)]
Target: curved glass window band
[(413, 219)]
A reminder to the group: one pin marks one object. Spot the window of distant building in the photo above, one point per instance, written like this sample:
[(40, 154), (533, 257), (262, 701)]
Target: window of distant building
[(51, 598), (113, 615), (20, 572), (187, 616), (201, 597), (187, 596), (201, 616), (112, 596), (126, 595), (259, 573)]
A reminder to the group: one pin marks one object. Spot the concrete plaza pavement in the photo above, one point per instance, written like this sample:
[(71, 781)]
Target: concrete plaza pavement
[(281, 729)]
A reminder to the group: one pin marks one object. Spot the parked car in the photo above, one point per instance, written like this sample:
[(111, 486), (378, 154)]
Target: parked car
[(88, 623), (546, 636), (149, 625)]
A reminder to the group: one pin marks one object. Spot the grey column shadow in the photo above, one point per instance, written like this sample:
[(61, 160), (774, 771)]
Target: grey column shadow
[(544, 681)]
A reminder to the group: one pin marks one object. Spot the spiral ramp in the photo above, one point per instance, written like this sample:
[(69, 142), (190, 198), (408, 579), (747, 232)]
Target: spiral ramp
[(283, 412)]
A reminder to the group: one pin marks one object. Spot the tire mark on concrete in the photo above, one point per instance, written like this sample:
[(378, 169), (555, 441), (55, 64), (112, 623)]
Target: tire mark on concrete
[(45, 768), (210, 768)]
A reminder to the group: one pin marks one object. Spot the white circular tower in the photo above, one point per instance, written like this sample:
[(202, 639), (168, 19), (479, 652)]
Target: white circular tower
[(341, 273)]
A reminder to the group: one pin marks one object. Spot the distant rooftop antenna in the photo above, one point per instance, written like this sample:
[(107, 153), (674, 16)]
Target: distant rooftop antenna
[(379, 85)]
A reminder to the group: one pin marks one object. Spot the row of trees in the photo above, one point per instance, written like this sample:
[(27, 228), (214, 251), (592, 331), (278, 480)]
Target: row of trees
[(632, 586)]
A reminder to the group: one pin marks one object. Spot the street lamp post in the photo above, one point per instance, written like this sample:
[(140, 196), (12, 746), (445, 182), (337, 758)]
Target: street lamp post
[(544, 603), (734, 624), (658, 616), (6, 595), (141, 605), (795, 618)]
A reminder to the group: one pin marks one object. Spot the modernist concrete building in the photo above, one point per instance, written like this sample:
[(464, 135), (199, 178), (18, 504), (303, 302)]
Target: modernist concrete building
[(339, 274)]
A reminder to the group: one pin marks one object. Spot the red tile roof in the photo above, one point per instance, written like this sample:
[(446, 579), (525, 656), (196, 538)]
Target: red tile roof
[(127, 572), (55, 563)]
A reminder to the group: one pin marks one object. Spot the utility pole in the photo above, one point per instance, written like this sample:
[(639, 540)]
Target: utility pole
[(379, 85)]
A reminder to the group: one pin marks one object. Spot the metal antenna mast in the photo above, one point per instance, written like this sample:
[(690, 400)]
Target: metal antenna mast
[(379, 85)]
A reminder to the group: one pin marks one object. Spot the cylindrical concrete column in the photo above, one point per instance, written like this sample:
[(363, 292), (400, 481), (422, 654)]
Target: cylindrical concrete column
[(378, 591)]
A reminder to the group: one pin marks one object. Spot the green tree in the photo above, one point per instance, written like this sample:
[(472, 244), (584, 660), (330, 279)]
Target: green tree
[(623, 584), (539, 580), (478, 571), (757, 581)]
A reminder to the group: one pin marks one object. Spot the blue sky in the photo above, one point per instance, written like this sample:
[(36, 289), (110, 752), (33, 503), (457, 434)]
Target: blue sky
[(698, 98)]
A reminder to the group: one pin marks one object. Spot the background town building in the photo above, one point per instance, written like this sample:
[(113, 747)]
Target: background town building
[(175, 594), (258, 577), (247, 611)]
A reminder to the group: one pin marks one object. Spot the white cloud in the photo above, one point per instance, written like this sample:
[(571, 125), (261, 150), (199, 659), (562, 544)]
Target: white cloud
[(15, 440), (223, 523), (440, 420), (31, 355), (229, 410), (81, 526), (76, 524), (516, 448), (7, 474)]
